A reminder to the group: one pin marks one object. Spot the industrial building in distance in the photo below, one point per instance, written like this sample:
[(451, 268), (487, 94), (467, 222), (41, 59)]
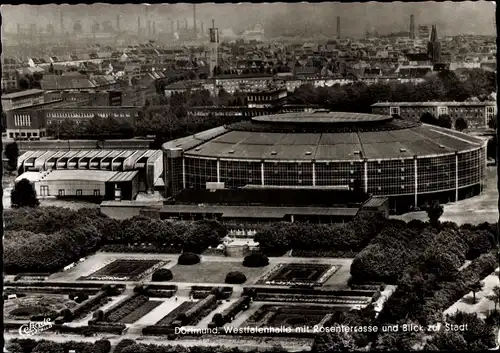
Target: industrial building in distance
[(408, 162)]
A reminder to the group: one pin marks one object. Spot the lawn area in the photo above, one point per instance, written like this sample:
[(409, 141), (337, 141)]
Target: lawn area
[(214, 272)]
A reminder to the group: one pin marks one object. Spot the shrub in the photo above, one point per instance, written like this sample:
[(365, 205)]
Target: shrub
[(103, 346), (235, 277), (162, 275), (188, 258), (81, 298), (256, 260), (123, 344), (218, 320)]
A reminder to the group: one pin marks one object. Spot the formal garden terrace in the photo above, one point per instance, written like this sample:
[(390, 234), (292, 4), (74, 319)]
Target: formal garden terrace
[(92, 275)]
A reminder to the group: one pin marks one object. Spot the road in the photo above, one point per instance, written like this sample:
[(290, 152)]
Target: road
[(475, 210)]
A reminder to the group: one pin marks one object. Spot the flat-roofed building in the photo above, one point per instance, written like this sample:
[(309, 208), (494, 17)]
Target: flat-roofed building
[(477, 114), (22, 99), (147, 163)]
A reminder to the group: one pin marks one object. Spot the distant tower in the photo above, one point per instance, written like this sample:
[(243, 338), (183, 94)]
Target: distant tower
[(62, 22), (214, 50), (434, 46), (185, 23), (118, 23), (138, 25), (172, 26), (412, 27), (194, 21), (154, 28), (338, 26), (178, 25), (202, 29), (18, 28), (149, 28)]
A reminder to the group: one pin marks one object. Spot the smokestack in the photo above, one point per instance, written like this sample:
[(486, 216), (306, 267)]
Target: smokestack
[(139, 25), (149, 28), (178, 25), (185, 23), (412, 27), (202, 30), (338, 26), (118, 23), (154, 28), (194, 20), (62, 22), (18, 28), (172, 25)]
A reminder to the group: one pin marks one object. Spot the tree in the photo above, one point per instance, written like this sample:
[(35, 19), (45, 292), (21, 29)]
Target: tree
[(235, 277), (188, 258), (428, 118), (48, 347), (495, 296), (434, 212), (14, 347), (12, 153), (135, 348), (492, 124), (24, 194), (461, 124), (256, 260), (162, 275), (447, 341), (445, 121), (474, 288), (334, 342)]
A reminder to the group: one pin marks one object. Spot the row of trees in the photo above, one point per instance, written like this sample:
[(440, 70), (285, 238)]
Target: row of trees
[(43, 346), (166, 118), (358, 97), (276, 239), (444, 121), (49, 238)]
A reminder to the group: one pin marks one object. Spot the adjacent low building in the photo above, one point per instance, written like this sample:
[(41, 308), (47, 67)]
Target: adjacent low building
[(22, 99), (90, 170), (477, 114)]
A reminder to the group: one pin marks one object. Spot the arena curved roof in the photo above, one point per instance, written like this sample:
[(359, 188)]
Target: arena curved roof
[(385, 138)]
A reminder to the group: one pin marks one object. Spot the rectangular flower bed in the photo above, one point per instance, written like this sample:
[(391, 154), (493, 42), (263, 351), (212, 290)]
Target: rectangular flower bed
[(298, 274), (125, 270)]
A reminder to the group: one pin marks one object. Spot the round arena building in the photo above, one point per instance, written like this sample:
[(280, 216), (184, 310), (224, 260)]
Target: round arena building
[(408, 162)]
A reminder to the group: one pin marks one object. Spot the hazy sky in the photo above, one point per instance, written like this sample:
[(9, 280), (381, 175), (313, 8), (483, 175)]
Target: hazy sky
[(451, 17)]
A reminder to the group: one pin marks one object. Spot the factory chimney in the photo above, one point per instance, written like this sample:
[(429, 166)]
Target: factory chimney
[(139, 25), (194, 21), (338, 26)]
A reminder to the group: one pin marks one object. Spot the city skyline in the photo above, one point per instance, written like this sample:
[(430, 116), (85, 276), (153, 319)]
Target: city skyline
[(451, 18)]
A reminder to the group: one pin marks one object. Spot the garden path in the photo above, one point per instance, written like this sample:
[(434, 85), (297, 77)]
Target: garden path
[(483, 304)]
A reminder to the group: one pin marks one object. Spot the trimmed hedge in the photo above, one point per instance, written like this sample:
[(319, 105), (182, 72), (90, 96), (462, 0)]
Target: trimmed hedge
[(220, 319), (235, 277), (158, 330), (162, 275), (188, 258), (256, 260)]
